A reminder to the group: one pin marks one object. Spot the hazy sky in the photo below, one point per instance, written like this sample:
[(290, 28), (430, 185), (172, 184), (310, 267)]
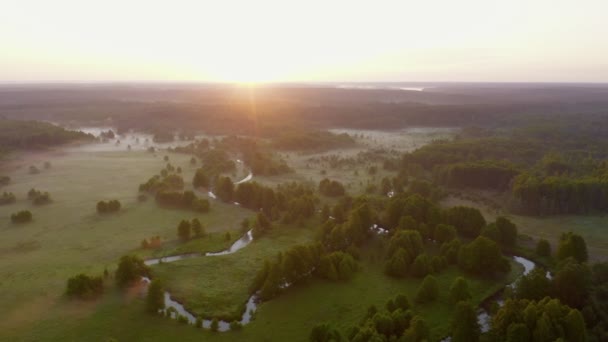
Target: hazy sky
[(329, 40)]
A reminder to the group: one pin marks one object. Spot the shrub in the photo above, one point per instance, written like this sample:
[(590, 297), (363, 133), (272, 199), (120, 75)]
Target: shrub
[(108, 207), (84, 287), (21, 216)]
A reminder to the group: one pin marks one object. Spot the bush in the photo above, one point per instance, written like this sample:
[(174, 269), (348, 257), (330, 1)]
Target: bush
[(108, 207), (235, 325), (21, 216), (215, 325), (84, 287)]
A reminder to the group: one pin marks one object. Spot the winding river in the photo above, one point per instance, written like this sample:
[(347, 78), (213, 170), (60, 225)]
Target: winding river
[(177, 309)]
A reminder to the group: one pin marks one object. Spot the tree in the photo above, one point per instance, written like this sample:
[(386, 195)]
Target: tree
[(444, 233), (21, 216), (544, 320), (572, 245), (155, 299), (198, 228), (467, 221), (459, 291), (418, 330), (543, 248), (398, 264), (482, 257), (183, 230), (465, 327), (130, 269), (324, 333), (401, 302), (428, 290), (215, 325), (224, 189), (200, 179), (534, 285), (572, 283), (421, 266), (575, 326), (84, 287), (507, 231)]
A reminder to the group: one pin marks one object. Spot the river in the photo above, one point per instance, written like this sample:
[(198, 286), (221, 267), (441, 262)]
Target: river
[(178, 309)]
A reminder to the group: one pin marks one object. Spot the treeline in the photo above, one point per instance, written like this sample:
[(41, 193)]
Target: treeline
[(524, 160), (110, 206), (483, 175), (260, 159), (288, 202), (551, 195), (307, 140), (331, 188), (182, 200), (19, 134), (38, 197), (7, 198), (299, 263)]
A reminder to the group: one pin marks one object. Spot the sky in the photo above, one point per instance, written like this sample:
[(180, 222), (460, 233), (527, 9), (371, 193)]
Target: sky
[(304, 41)]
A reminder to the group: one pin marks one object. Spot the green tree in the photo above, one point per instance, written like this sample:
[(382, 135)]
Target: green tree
[(130, 269), (428, 291), (482, 257), (215, 325), (575, 326), (421, 266), (534, 285), (467, 221), (465, 327), (444, 233), (324, 333), (184, 230), (418, 330), (572, 245), (198, 228), (543, 248), (459, 291), (155, 299)]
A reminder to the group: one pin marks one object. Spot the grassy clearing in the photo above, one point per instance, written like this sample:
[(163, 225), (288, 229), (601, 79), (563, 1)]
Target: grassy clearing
[(218, 286), (356, 179), (68, 237), (591, 227)]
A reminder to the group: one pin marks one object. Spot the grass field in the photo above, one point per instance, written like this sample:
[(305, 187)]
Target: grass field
[(68, 237), (356, 179), (288, 317), (218, 286)]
